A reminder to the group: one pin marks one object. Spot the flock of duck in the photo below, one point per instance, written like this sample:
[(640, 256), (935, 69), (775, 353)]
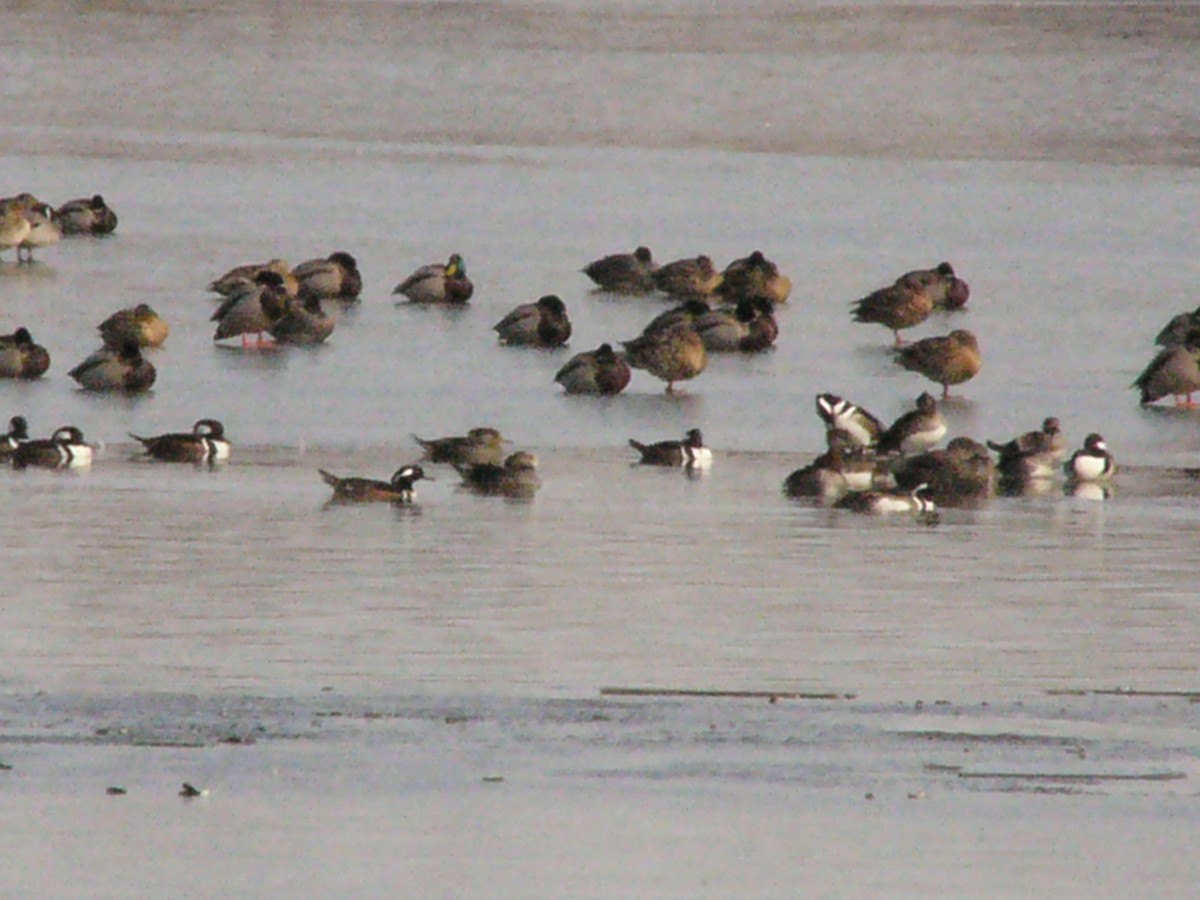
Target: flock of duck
[(867, 466)]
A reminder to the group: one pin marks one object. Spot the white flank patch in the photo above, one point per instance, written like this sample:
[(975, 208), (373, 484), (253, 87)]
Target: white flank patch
[(77, 455), (697, 457), (217, 450), (1089, 468)]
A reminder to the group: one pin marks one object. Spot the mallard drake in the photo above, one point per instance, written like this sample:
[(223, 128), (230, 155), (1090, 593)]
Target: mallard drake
[(86, 216), (748, 328), (1091, 463), (303, 321), (918, 501), (334, 278), (950, 359), (65, 449), (898, 306), (624, 273), (541, 324), (252, 308), (689, 452), (915, 431), (360, 490), (120, 369), (1175, 371), (674, 354), (14, 227), (696, 277), (43, 230), (20, 357), (438, 283), (754, 276), (18, 434), (477, 447), (598, 371), (204, 444), (516, 478), (837, 413), (239, 276), (960, 475), (946, 289), (686, 313), (139, 325)]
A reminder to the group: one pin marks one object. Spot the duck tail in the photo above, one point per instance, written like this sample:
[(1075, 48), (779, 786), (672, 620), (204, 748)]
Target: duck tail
[(329, 478), (145, 442), (638, 446)]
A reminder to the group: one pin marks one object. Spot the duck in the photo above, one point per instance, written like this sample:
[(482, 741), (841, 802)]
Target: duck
[(336, 277), (116, 369), (1174, 371), (21, 357), (205, 443), (917, 501), (947, 290), (689, 452), (749, 327), (1093, 462), (947, 359), (845, 466), (1047, 444), (960, 475), (624, 273), (14, 227), (479, 446), (517, 478), (754, 276), (695, 277), (438, 283), (838, 413), (140, 325), (237, 277), (542, 324), (1182, 329), (898, 306), (252, 308), (686, 313), (917, 430), (43, 230), (599, 371), (18, 434), (365, 490), (674, 354), (65, 449), (86, 216), (303, 321)]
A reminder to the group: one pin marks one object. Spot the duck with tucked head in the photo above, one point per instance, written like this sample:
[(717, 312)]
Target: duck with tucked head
[(205, 443), (239, 276), (336, 277), (949, 359), (1093, 462), (694, 277), (65, 449), (748, 328), (881, 503), (542, 324), (598, 371), (674, 354), (690, 453), (18, 434), (438, 283), (120, 369), (139, 325), (516, 478), (366, 490), (838, 413), (252, 308), (946, 289), (1174, 372), (21, 357), (897, 306), (478, 446), (43, 230), (686, 313), (960, 475), (624, 273), (86, 216), (14, 227), (915, 431), (303, 321), (754, 276)]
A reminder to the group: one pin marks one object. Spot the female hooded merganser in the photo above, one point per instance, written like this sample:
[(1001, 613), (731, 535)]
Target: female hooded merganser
[(516, 478), (478, 446)]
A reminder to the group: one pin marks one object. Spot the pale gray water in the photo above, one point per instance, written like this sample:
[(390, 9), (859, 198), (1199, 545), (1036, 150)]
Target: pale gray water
[(1046, 153)]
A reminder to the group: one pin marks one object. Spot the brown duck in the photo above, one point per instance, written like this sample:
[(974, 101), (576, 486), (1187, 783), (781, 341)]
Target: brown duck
[(948, 360)]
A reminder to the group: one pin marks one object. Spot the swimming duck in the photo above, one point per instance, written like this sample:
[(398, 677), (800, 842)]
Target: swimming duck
[(880, 503), (946, 289), (87, 216), (898, 306), (334, 278), (65, 449), (696, 277), (204, 444), (754, 276), (960, 475), (624, 273), (951, 359), (20, 357), (251, 308), (1044, 448), (43, 230), (674, 354), (516, 478), (689, 452), (1091, 463), (598, 371), (359, 490), (303, 321), (237, 277), (1174, 371), (915, 431), (541, 324), (686, 313), (479, 446), (438, 283), (837, 413), (845, 466), (116, 369), (14, 228), (139, 325), (18, 434), (748, 328)]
